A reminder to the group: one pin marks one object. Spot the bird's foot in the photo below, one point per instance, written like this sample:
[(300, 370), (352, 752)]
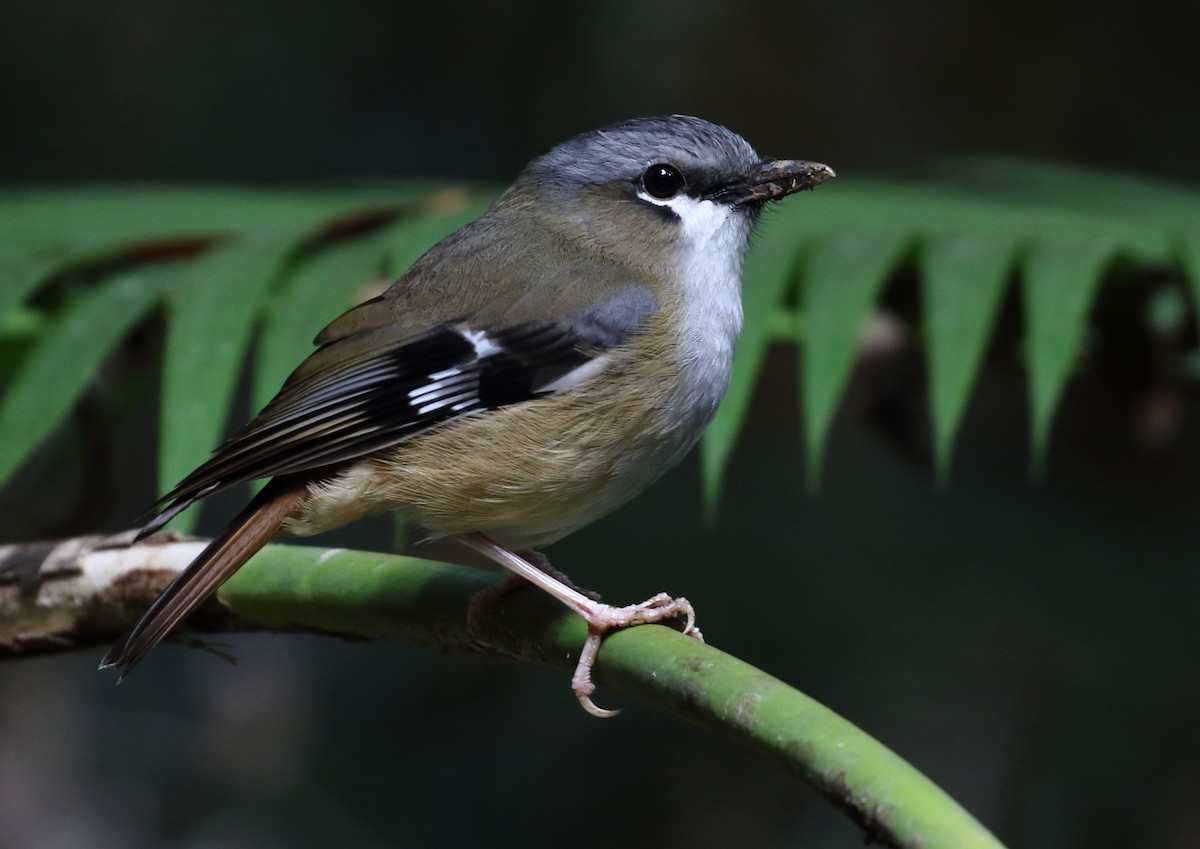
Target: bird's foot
[(603, 619)]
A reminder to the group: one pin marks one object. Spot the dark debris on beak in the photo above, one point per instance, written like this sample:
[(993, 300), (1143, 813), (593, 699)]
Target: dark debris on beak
[(771, 180)]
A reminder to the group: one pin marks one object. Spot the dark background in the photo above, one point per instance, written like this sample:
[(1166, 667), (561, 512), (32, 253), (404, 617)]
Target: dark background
[(1029, 645), (267, 91)]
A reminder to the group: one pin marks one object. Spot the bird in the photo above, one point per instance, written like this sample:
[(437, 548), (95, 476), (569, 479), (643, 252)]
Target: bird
[(530, 373)]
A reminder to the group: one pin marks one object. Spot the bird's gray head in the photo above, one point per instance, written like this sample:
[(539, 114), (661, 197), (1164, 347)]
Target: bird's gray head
[(633, 156), (655, 177)]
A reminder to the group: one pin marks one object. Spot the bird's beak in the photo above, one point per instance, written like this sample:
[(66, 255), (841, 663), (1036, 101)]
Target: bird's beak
[(771, 180)]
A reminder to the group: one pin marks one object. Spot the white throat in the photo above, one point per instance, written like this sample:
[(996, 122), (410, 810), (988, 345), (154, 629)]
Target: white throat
[(713, 245)]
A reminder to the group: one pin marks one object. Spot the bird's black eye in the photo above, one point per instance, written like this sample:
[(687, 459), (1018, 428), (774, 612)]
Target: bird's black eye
[(663, 181)]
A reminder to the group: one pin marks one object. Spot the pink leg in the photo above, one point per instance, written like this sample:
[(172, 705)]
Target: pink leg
[(601, 618)]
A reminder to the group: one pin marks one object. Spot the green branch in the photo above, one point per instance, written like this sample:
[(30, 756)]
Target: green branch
[(82, 592), (356, 594)]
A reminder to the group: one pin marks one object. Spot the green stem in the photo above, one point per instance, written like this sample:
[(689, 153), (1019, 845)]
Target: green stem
[(357, 594)]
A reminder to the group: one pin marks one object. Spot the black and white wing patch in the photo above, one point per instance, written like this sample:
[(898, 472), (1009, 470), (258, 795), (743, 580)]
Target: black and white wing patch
[(370, 402)]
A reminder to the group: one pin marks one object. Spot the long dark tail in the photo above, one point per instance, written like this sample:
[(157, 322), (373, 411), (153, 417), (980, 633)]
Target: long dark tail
[(245, 535)]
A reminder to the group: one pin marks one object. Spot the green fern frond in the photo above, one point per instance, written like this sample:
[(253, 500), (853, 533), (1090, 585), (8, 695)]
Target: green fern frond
[(81, 268)]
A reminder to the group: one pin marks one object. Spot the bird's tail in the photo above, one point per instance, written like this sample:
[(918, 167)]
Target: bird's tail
[(245, 535)]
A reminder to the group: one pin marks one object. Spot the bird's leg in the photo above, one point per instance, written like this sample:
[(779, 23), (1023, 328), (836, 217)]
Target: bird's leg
[(483, 600), (542, 562), (601, 618)]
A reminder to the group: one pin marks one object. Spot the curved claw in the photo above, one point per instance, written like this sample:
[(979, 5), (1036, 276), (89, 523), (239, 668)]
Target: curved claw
[(581, 681)]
